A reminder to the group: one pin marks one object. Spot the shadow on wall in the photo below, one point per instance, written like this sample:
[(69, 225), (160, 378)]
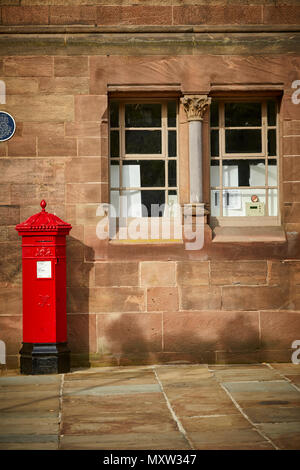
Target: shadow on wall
[(80, 322), (195, 338)]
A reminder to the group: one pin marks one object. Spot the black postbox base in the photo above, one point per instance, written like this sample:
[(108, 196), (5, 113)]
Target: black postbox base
[(45, 358)]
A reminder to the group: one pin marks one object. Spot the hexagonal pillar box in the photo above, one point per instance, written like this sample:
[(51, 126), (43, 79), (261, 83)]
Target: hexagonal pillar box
[(44, 349)]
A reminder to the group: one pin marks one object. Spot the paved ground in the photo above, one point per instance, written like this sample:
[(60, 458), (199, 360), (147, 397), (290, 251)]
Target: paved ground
[(179, 407)]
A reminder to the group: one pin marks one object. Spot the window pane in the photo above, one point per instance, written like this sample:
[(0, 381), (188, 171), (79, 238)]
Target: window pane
[(143, 142), (151, 201), (242, 114), (114, 114), (237, 202), (214, 173), (243, 173), (143, 115), (272, 172), (243, 141), (143, 173), (114, 144), (172, 150), (114, 174), (272, 142), (214, 143), (214, 114), (172, 173), (215, 203), (271, 107), (172, 114), (114, 210), (273, 202)]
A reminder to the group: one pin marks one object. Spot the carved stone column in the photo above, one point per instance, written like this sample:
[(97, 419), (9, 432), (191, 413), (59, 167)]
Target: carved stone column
[(195, 214), (195, 107)]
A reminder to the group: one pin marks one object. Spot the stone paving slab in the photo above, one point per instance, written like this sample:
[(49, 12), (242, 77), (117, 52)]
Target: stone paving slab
[(242, 373), (115, 390), (164, 407), (284, 435), (126, 441)]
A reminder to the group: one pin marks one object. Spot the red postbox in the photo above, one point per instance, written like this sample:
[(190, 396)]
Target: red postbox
[(44, 349)]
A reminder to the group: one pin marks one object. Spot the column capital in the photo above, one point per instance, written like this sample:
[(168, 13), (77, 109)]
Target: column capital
[(195, 106)]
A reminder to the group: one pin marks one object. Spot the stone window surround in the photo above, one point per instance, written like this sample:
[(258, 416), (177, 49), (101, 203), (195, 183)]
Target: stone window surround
[(195, 115)]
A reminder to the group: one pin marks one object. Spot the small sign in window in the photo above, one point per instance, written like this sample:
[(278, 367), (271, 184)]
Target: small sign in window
[(43, 269)]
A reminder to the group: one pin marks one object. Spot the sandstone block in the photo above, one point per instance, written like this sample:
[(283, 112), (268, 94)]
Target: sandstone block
[(238, 272), (11, 301), (94, 248), (254, 298), (85, 214), (162, 299), (71, 66), (22, 86), (291, 168), (90, 108), (77, 85), (104, 169), (291, 192), (83, 192), (80, 274), (89, 147), (281, 14), (25, 15), (292, 212), (3, 149), (116, 299), (44, 129), (11, 332), (291, 145), (57, 147), (104, 147), (37, 66), (72, 14), (156, 274), (117, 274), (9, 214), (82, 333), (278, 329), (291, 128), (129, 333), (192, 273), (41, 108), (80, 170), (22, 146), (32, 194), (285, 272), (200, 298), (134, 14), (78, 299), (217, 14), (5, 194), (83, 129), (210, 331)]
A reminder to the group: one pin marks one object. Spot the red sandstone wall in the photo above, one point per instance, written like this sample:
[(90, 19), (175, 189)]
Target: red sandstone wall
[(145, 12), (146, 304)]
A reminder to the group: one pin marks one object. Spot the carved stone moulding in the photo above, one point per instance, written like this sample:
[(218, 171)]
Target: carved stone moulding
[(195, 106)]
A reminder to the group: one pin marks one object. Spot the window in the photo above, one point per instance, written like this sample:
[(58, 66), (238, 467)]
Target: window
[(143, 157), (243, 160)]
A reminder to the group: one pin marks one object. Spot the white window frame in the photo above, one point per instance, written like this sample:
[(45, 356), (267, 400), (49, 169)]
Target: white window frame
[(267, 220)]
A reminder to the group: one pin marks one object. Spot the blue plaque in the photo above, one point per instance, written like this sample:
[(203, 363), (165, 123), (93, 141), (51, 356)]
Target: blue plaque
[(7, 126)]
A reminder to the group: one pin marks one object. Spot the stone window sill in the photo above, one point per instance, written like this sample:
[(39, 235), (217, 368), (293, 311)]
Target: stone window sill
[(271, 234)]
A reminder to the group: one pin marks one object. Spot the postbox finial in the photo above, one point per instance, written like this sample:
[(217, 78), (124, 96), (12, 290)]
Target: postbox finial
[(43, 205)]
